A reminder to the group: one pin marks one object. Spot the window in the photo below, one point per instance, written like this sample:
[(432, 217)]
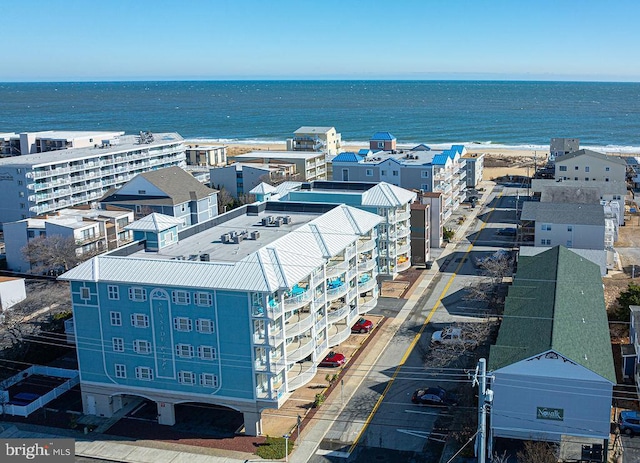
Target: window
[(85, 294), (144, 373), (576, 167), (383, 173), (395, 173), (208, 380), (586, 168), (425, 174), (180, 297), (569, 228), (606, 179), (186, 377), (569, 243), (140, 320), (182, 324), (121, 370), (184, 350), (381, 144), (575, 178), (113, 292), (142, 192), (30, 234), (424, 187), (21, 194), (118, 344), (369, 172), (141, 346), (586, 179), (22, 206), (546, 226), (545, 242), (204, 325), (116, 318), (606, 169), (207, 352), (203, 299), (563, 168), (20, 182), (137, 294)]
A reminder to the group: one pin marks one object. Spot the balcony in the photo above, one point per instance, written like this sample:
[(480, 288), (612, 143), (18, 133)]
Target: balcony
[(403, 215), (336, 291), (403, 248), (366, 245), (297, 350), (273, 367), (366, 285), (339, 333), (366, 265), (272, 340), (442, 175), (402, 266), (403, 231), (335, 268), (365, 304), (298, 323), (298, 298), (300, 374), (89, 239), (338, 314)]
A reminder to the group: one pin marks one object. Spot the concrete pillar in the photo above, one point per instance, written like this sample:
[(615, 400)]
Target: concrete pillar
[(252, 423), (166, 413)]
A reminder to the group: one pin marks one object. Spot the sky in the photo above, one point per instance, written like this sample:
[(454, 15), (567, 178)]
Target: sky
[(92, 40)]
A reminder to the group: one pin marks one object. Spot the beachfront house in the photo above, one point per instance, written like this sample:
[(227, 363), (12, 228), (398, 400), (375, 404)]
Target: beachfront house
[(561, 146), (552, 367), (169, 191), (319, 139), (590, 166), (202, 154), (392, 203), (240, 178), (52, 170), (93, 229), (474, 164), (310, 165), (236, 311)]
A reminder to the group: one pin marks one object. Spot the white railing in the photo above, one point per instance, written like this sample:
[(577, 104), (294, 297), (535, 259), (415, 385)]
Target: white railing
[(336, 269), (297, 301), (302, 379), (336, 315), (340, 336), (404, 215), (299, 351), (335, 293), (403, 248), (367, 285), (294, 328), (366, 265), (403, 266), (365, 307), (366, 245), (403, 231), (322, 348)]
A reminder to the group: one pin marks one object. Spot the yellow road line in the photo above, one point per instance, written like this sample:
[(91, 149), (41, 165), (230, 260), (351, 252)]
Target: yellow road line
[(416, 338)]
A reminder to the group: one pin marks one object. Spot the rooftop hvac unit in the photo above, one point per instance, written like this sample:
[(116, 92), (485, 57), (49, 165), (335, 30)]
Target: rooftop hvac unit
[(268, 220), (286, 219), (226, 238), (237, 238), (205, 257), (279, 221), (255, 235)]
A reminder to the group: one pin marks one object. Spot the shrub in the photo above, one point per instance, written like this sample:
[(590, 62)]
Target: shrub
[(273, 448), (319, 400)]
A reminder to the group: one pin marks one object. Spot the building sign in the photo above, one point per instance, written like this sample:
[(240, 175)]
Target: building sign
[(555, 414), (5, 176)]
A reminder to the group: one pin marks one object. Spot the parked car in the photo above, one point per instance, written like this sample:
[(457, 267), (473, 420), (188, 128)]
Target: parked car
[(629, 422), (446, 336), (362, 326), (433, 396), (509, 231), (333, 359)]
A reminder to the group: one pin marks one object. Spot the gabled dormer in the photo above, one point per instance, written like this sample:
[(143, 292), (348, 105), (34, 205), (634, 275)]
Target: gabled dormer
[(158, 230)]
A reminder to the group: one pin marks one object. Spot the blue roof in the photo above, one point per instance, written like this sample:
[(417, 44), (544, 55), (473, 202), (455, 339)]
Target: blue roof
[(348, 156), (382, 136), (440, 159), (364, 151), (458, 148)]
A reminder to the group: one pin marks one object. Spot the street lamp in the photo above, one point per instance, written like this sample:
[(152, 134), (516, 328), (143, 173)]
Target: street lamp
[(286, 447)]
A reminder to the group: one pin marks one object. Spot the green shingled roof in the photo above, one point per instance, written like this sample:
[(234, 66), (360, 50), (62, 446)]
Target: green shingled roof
[(556, 303)]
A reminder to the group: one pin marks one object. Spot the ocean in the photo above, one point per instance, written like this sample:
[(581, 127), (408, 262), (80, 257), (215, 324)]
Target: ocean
[(503, 113)]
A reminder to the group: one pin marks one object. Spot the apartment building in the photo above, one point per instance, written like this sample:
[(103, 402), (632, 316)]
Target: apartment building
[(310, 165), (590, 166), (39, 182), (93, 229), (169, 191), (19, 144), (561, 146), (390, 202), (236, 312), (474, 164), (202, 154), (419, 168), (319, 139)]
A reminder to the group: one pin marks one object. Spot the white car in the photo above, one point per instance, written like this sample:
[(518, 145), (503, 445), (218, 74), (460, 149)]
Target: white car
[(447, 336)]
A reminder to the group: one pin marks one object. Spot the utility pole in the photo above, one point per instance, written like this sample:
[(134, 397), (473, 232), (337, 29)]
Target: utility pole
[(485, 397)]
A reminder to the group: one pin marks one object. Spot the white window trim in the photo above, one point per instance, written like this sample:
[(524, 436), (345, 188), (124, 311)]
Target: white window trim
[(210, 350), (181, 348), (208, 380), (183, 375), (178, 322), (205, 321), (120, 370), (115, 318), (113, 292), (203, 299), (144, 373), (142, 342), (139, 320), (137, 294), (85, 293), (181, 297), (117, 344)]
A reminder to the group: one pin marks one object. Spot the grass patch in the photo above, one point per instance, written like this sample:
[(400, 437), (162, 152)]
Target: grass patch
[(273, 448)]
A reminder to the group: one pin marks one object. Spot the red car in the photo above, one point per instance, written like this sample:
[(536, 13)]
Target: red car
[(333, 359), (362, 326)]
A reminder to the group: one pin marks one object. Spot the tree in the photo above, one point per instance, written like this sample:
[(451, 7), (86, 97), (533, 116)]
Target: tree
[(276, 178), (627, 298), (54, 253), (456, 354), (538, 452)]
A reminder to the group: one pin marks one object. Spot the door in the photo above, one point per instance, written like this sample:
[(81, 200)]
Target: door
[(91, 405)]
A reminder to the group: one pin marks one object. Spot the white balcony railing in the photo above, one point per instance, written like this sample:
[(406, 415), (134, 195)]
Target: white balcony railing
[(366, 285), (300, 349), (366, 245), (338, 338), (335, 269), (299, 376), (338, 314), (368, 264), (298, 324), (335, 293), (297, 301), (402, 266)]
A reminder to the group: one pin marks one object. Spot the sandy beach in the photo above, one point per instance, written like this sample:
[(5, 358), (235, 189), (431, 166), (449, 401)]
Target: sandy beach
[(499, 161)]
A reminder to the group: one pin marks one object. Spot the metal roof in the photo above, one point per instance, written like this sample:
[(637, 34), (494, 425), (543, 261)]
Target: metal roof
[(311, 129), (348, 156), (382, 136), (594, 154), (263, 188), (154, 222), (387, 195), (278, 264)]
